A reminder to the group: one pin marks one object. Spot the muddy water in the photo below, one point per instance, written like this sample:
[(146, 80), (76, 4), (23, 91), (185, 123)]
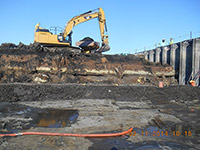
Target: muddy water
[(55, 118), (16, 117)]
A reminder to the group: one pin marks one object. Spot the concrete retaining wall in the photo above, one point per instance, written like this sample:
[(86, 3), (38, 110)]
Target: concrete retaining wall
[(184, 57)]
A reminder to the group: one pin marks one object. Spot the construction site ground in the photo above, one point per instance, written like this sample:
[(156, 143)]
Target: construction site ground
[(47, 90), (77, 108)]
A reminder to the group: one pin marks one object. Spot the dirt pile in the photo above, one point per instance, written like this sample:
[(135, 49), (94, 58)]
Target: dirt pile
[(32, 63)]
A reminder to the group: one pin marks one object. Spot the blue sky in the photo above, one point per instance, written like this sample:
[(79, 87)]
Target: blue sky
[(132, 24)]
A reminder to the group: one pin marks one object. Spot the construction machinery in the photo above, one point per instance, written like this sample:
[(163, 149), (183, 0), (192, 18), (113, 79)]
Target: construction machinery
[(64, 39)]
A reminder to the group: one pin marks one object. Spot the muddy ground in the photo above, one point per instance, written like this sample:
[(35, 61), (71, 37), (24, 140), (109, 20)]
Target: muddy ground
[(94, 108)]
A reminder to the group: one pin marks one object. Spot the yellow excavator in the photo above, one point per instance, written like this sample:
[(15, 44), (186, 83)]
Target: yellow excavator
[(45, 38)]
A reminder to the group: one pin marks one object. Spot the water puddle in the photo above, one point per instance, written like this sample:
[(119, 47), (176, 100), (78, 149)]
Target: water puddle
[(55, 118), (15, 117)]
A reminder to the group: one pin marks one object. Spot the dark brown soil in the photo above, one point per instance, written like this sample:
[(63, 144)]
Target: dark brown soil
[(41, 92)]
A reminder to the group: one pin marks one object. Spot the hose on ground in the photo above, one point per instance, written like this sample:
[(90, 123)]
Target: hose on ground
[(101, 135)]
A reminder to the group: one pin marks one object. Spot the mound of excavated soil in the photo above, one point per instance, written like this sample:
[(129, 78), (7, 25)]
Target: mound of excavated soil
[(32, 63)]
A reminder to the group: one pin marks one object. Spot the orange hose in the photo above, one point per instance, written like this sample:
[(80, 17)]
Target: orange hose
[(70, 134)]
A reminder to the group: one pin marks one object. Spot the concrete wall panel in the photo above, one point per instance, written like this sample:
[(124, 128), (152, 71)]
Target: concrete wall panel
[(184, 57)]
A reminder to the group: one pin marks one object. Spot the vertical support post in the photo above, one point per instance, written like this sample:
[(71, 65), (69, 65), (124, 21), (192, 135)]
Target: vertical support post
[(182, 65), (164, 55), (195, 58), (158, 50), (146, 55), (151, 56), (173, 54)]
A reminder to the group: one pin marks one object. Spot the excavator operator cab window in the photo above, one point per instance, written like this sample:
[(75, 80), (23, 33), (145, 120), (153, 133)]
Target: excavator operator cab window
[(60, 38), (42, 30), (69, 38)]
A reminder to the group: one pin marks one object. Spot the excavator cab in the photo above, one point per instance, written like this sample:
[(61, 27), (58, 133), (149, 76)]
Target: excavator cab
[(46, 38)]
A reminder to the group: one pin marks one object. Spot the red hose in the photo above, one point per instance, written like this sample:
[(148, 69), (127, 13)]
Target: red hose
[(70, 134)]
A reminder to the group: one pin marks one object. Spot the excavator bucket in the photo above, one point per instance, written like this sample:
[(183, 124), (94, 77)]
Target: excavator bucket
[(103, 48), (89, 44)]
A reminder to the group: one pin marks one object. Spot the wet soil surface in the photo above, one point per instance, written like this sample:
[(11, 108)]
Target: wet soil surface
[(162, 118), (122, 143), (33, 117)]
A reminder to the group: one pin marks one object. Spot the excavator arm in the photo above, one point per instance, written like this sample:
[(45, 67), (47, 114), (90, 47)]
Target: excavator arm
[(98, 13)]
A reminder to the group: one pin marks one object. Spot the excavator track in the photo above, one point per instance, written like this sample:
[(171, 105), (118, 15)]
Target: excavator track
[(37, 48), (8, 48), (58, 49)]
